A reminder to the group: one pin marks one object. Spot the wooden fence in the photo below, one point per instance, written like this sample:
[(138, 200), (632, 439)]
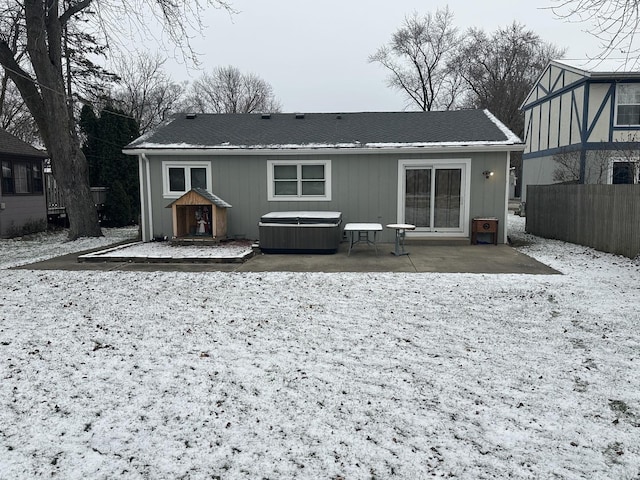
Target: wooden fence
[(605, 217)]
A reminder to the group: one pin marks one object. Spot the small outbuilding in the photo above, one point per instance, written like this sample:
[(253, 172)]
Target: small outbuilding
[(199, 214)]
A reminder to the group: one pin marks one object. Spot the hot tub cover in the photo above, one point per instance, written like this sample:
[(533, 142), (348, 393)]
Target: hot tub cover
[(302, 218)]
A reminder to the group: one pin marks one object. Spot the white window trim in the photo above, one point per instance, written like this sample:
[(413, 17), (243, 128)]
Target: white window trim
[(621, 160), (617, 102), (465, 165), (166, 165), (299, 198)]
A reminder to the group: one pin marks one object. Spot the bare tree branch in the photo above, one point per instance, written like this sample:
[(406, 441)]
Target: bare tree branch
[(614, 23), (418, 57), (227, 90), (144, 91)]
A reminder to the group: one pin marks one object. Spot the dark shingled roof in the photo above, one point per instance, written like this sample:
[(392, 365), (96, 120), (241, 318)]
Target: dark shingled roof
[(14, 146), (347, 130), (216, 200)]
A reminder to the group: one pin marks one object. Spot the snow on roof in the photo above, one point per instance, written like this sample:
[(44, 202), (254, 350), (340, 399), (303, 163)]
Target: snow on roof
[(600, 67), (303, 214), (511, 137)]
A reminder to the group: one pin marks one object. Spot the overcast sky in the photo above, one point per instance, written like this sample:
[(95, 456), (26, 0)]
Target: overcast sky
[(314, 53)]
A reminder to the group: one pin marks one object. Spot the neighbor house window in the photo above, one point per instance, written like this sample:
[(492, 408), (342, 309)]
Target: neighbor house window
[(624, 172), (299, 180), (179, 178), (628, 104), (21, 177)]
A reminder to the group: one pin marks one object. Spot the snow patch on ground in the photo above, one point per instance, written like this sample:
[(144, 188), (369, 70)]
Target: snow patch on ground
[(315, 375), (167, 250), (42, 246)]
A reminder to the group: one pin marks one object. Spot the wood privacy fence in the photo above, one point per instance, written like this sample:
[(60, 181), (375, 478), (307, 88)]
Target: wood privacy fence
[(605, 217)]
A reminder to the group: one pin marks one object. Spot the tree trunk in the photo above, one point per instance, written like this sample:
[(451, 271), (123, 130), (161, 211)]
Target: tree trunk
[(46, 97), (71, 172)]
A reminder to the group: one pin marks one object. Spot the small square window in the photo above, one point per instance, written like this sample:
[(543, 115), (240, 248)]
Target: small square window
[(177, 180), (313, 188), (312, 172), (299, 180), (199, 178), (285, 172), (286, 188), (628, 104)]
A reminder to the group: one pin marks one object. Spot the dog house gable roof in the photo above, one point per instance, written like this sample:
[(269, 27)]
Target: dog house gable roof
[(195, 197)]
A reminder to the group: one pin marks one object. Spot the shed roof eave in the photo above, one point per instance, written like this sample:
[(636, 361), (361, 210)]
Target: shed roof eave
[(469, 147)]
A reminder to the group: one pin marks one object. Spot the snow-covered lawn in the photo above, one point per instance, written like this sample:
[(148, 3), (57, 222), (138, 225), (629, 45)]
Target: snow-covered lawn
[(312, 375)]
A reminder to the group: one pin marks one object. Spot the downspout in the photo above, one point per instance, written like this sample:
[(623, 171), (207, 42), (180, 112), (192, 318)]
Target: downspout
[(143, 216), (148, 196), (506, 199)]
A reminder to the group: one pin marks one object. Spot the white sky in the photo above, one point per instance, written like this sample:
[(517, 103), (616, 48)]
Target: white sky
[(314, 54)]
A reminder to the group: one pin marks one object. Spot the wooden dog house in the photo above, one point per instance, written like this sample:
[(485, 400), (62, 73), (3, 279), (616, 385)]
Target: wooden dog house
[(199, 214)]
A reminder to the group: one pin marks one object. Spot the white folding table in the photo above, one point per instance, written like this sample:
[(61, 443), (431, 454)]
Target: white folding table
[(359, 232)]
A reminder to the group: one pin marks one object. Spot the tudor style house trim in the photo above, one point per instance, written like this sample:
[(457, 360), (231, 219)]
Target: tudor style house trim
[(588, 121)]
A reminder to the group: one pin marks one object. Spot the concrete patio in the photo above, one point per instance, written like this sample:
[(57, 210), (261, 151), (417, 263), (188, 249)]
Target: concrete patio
[(487, 259)]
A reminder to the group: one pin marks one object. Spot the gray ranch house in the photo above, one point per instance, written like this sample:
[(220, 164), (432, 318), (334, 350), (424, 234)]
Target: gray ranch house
[(435, 170), (23, 204), (581, 127)]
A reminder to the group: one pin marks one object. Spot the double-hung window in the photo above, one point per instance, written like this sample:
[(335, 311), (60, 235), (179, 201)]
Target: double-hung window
[(299, 180), (21, 177), (179, 178), (628, 104)]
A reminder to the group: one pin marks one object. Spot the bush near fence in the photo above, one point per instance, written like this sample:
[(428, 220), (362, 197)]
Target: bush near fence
[(605, 217)]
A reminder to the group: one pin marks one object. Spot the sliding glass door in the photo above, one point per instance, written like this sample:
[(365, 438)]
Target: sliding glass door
[(433, 196)]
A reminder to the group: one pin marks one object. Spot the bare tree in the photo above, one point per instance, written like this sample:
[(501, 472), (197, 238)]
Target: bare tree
[(144, 91), (40, 78), (15, 117), (615, 23), (568, 166), (228, 90), (418, 57), (500, 69)]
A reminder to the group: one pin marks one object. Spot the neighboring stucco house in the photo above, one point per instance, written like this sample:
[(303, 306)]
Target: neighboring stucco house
[(436, 170), (23, 206), (581, 126)]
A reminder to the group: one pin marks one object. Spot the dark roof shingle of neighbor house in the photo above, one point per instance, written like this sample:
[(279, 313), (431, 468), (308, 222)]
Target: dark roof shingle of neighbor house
[(327, 130), (11, 145)]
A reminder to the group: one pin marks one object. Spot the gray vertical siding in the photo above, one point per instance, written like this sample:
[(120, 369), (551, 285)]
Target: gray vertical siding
[(489, 196), (20, 210), (364, 188)]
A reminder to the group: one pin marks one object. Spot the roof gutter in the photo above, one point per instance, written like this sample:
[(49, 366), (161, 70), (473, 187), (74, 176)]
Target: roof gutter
[(500, 147)]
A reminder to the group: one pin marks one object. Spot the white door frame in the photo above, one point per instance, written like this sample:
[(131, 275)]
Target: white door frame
[(465, 193)]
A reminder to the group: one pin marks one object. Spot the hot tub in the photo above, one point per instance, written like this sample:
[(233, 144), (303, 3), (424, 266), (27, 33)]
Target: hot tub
[(300, 232)]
